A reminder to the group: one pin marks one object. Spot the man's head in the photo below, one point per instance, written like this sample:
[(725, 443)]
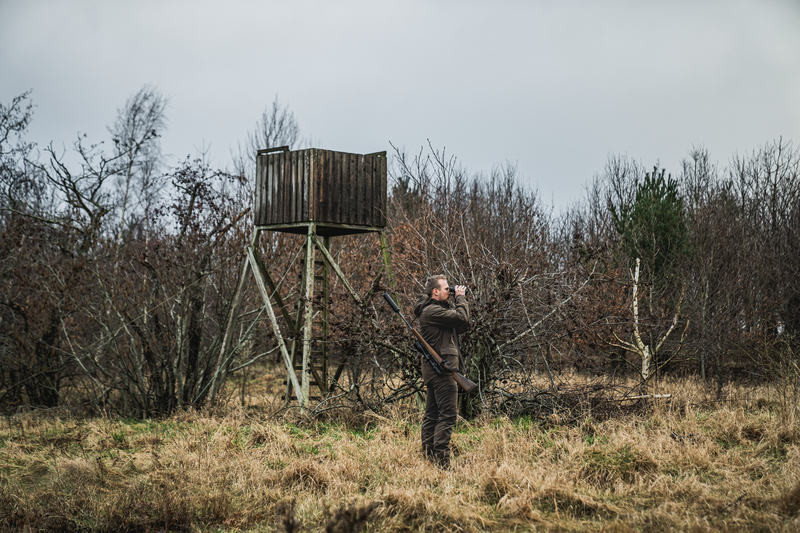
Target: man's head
[(437, 288)]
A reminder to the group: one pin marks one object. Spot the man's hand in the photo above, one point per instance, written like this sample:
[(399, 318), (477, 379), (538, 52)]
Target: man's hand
[(461, 290)]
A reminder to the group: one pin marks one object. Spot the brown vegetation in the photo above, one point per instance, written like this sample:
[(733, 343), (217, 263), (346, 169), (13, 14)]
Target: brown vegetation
[(691, 463), (117, 278)]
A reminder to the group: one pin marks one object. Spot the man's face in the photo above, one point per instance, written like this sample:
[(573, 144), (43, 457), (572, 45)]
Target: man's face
[(441, 293)]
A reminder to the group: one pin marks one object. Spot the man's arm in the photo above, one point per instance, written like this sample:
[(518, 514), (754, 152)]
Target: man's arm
[(451, 318)]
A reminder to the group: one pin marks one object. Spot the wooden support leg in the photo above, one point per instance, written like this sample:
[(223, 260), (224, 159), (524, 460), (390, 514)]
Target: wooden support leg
[(324, 334), (275, 327), (308, 309)]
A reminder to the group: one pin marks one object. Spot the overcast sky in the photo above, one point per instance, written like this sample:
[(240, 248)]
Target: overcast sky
[(553, 87)]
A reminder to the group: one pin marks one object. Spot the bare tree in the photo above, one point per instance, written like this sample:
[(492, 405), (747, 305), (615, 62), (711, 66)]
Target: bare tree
[(713, 269), (767, 184), (490, 233), (58, 213), (16, 192), (135, 133), (647, 352), (14, 121), (157, 339), (276, 127)]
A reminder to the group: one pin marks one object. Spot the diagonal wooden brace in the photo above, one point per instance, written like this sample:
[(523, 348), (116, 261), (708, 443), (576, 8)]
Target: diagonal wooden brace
[(272, 288), (275, 327), (339, 273)]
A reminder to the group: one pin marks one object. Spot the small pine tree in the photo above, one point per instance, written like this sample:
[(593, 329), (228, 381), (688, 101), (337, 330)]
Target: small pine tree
[(653, 228)]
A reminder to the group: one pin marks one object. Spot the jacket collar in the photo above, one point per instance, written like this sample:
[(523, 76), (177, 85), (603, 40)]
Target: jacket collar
[(443, 303)]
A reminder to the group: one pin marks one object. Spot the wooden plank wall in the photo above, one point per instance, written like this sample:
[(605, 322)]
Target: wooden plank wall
[(320, 185)]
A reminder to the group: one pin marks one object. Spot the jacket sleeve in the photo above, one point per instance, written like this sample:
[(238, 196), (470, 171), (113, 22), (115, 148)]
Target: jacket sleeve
[(451, 318)]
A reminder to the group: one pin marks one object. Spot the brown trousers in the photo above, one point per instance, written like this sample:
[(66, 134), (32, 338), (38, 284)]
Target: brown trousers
[(441, 410)]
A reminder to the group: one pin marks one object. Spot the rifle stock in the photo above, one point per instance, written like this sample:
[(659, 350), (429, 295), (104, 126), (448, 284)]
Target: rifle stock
[(464, 382)]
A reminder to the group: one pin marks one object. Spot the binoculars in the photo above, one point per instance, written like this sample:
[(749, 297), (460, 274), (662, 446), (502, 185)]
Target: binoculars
[(453, 289)]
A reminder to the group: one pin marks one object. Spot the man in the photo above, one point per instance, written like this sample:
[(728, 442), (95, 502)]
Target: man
[(439, 326)]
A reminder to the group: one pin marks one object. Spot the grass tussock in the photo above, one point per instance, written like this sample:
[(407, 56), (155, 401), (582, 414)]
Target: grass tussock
[(674, 466)]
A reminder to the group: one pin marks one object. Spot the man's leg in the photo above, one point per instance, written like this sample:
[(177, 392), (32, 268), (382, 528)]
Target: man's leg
[(446, 397), (429, 423), (431, 411)]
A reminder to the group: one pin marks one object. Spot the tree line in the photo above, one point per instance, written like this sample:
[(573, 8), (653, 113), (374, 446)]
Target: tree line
[(118, 272)]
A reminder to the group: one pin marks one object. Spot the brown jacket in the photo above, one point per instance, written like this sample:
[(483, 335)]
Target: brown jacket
[(439, 323)]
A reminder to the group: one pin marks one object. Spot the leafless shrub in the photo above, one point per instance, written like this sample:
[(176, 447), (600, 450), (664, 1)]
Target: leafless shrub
[(112, 302)]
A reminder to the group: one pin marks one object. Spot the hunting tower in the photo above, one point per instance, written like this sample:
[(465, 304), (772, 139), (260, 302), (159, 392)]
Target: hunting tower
[(320, 194)]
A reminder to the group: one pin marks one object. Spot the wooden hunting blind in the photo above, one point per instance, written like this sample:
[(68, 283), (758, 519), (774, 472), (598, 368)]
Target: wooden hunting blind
[(316, 193), (341, 193)]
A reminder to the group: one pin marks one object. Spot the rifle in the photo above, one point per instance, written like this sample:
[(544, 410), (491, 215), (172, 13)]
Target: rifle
[(430, 354), (428, 357)]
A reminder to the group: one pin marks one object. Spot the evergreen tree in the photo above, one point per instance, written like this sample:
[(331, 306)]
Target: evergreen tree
[(653, 228)]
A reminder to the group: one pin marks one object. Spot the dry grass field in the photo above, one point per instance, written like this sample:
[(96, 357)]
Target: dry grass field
[(684, 464)]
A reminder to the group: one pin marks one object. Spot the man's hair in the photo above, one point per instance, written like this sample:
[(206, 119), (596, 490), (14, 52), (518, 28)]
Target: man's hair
[(433, 283)]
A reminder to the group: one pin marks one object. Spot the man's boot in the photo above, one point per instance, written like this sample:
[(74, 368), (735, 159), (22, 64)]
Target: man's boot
[(427, 452), (443, 462)]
